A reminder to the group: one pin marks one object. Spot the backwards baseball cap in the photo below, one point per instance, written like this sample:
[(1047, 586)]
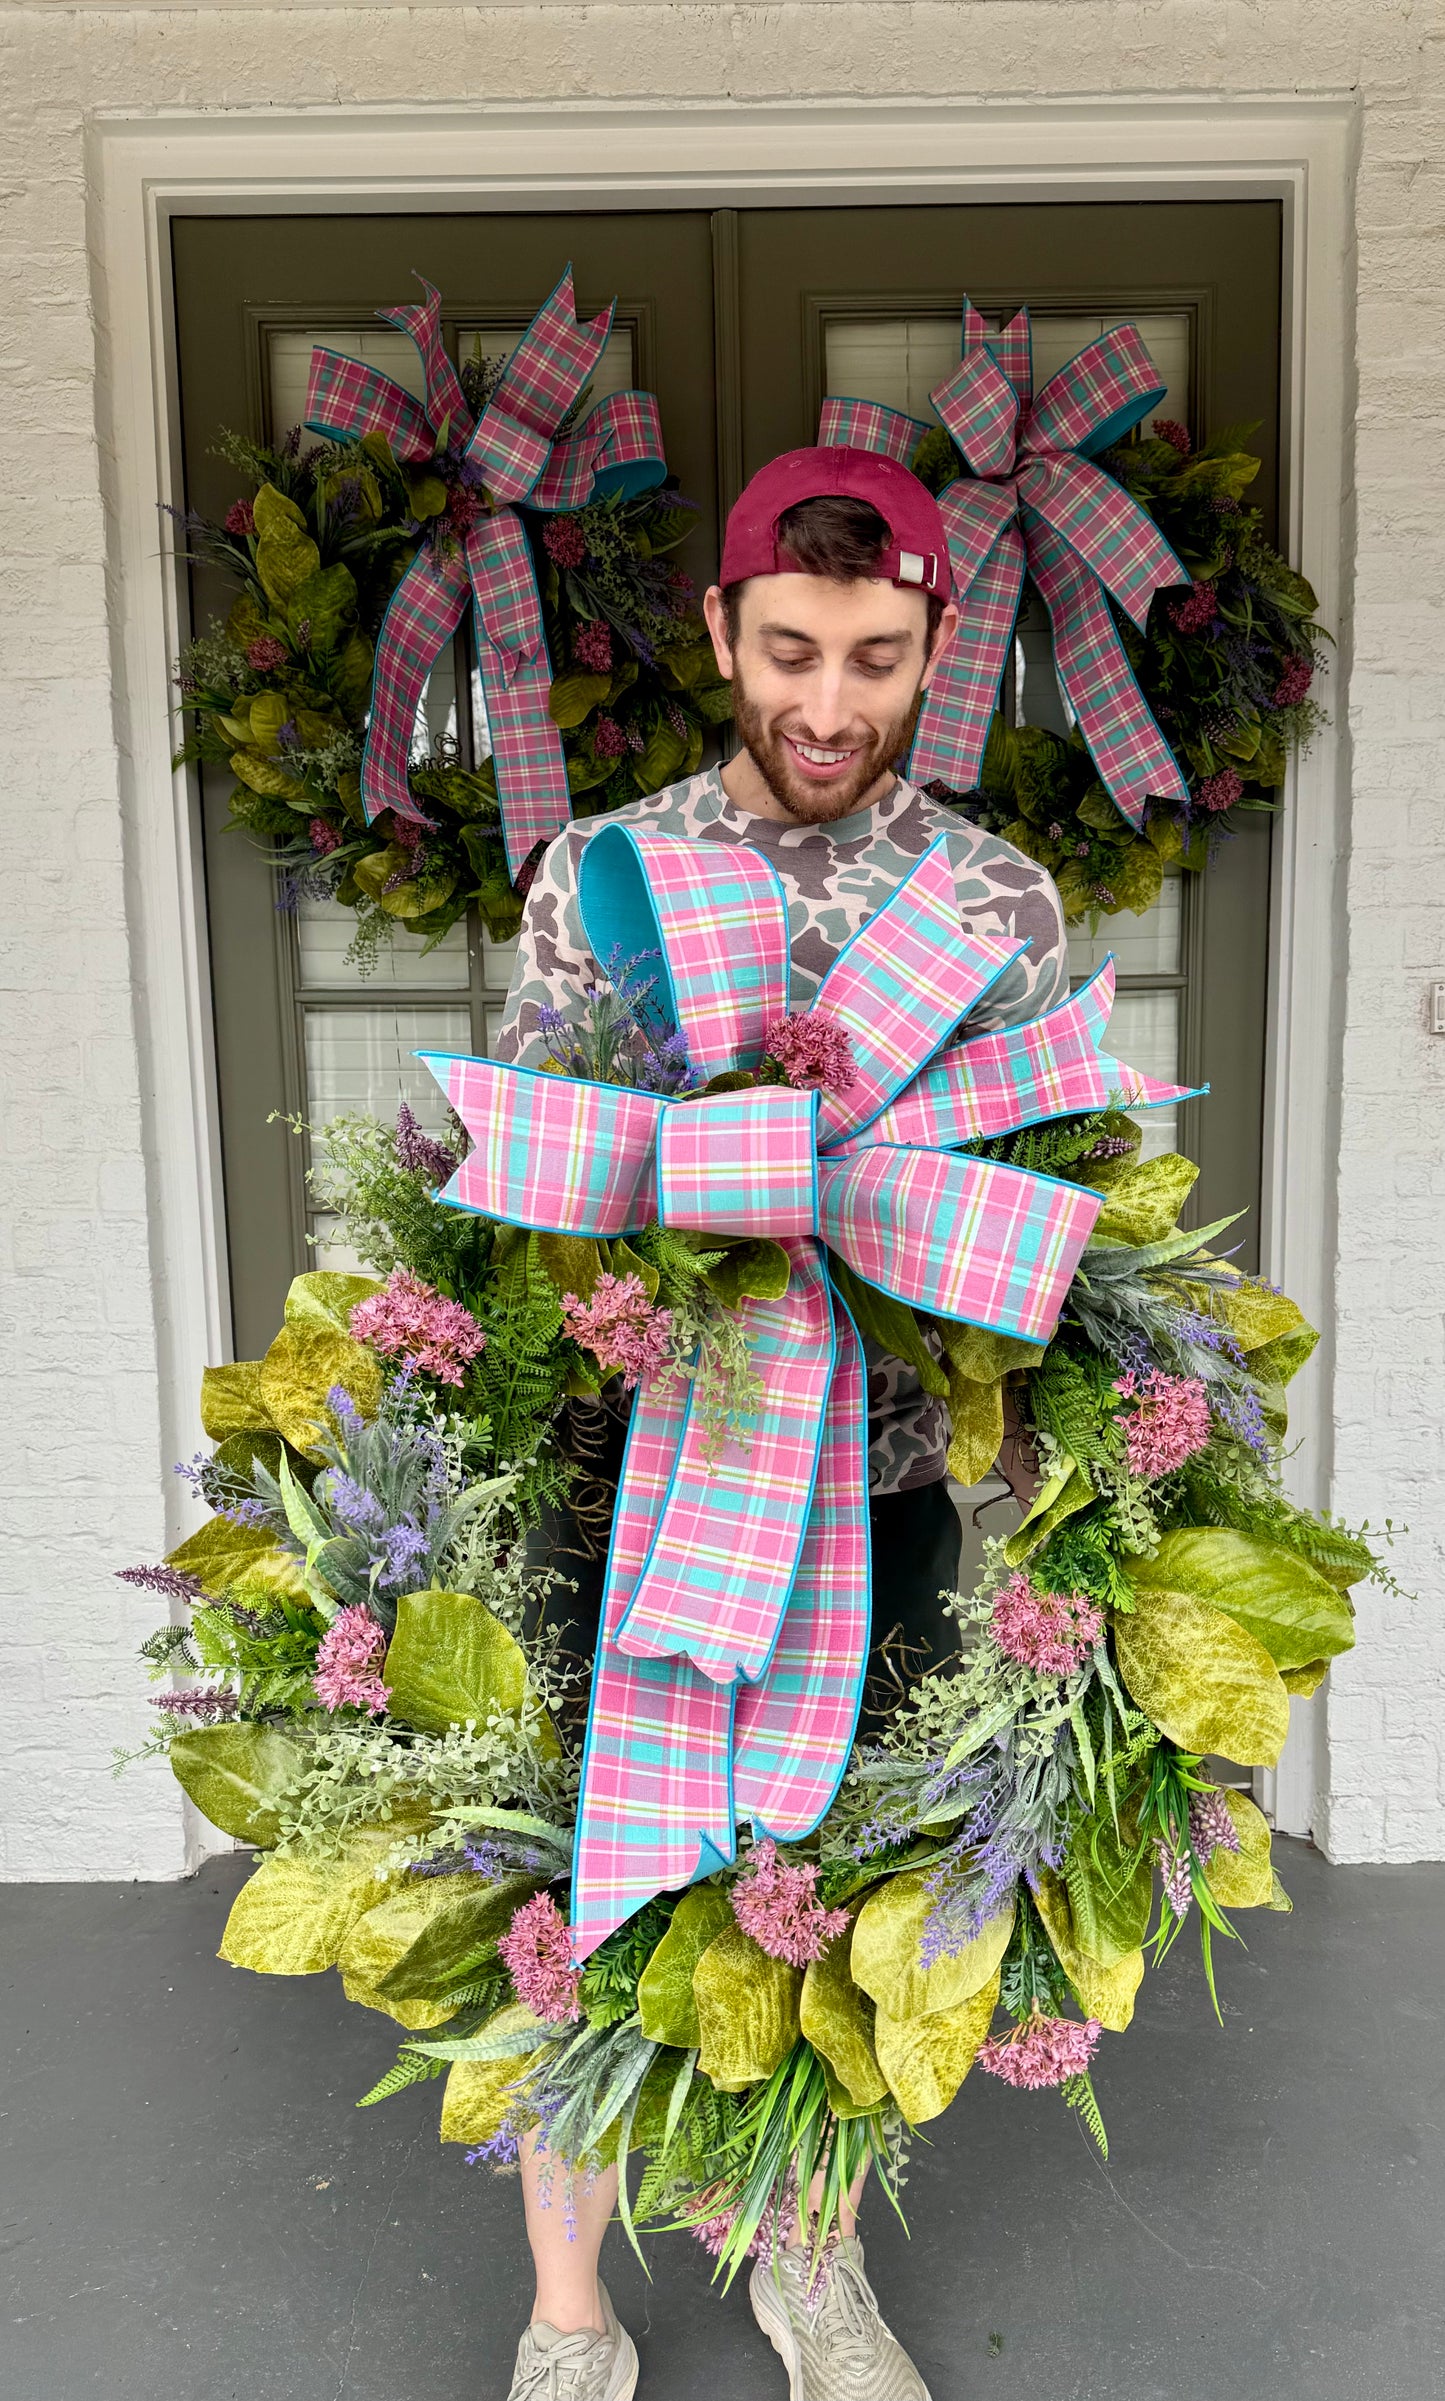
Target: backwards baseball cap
[(916, 551)]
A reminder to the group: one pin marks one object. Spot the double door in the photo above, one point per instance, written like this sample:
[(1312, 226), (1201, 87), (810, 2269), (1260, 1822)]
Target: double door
[(740, 321)]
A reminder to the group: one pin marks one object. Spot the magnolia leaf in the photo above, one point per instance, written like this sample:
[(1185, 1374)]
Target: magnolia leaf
[(886, 1957), (665, 2000), (1105, 1993), (351, 682), (324, 606), (572, 1261), (1143, 1204), (575, 695), (747, 2010), (627, 1262), (890, 1323), (1111, 1891), (285, 553), (299, 1370), (1276, 1362), (1243, 1879), (1282, 1600), (1204, 1680), (231, 1400), (418, 2017), (1300, 1682), (266, 713), (420, 897), (241, 1454), (1279, 1898), (467, 1916), (1138, 877), (659, 762), (750, 1271), (925, 2059), (836, 2017), (234, 1773), (478, 2095), (325, 1299), (450, 1661), (293, 1916), (1255, 1315), (976, 1415), (262, 776), (983, 1357), (1164, 834), (221, 1554)]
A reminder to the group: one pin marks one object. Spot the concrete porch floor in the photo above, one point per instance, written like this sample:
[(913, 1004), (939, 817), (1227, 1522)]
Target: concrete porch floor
[(190, 2206)]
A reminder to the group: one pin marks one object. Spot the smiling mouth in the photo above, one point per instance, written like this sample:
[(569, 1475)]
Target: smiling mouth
[(816, 755)]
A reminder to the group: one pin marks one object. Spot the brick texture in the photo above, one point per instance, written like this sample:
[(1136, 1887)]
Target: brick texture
[(83, 1462)]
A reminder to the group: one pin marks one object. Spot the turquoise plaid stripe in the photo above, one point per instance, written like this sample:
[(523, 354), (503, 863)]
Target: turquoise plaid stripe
[(741, 1163), (551, 1151)]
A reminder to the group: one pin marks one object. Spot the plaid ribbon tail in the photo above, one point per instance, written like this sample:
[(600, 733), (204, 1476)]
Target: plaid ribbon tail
[(422, 615), (958, 707), (868, 425), (792, 1731), (528, 760), (551, 1152), (1134, 761), (345, 400), (656, 1807)]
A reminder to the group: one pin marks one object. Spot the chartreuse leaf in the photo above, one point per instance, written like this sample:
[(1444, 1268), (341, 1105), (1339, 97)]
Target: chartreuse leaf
[(981, 1356), (325, 604), (747, 2010), (1243, 1879), (976, 1417), (466, 1919), (285, 552), (1300, 1682), (221, 1554), (1204, 1680), (1276, 1362), (234, 1773), (925, 2059), (1143, 1203), (1066, 1492), (628, 1262), (231, 1400), (1105, 1993), (477, 2096), (572, 1261), (1282, 1600), (889, 1323), (451, 1660), (374, 1945), (574, 695), (836, 2016), (665, 2001), (750, 1271), (293, 1916), (298, 1371), (1111, 1890), (1256, 1315), (325, 1298), (886, 1957)]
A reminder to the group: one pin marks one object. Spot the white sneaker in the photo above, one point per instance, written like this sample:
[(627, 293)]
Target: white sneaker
[(837, 2348), (576, 2367)]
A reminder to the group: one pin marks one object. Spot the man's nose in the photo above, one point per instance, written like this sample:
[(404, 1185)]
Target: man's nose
[(825, 706)]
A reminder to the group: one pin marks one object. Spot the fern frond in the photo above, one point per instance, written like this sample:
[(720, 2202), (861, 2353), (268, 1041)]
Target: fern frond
[(1079, 2094), (410, 2068)]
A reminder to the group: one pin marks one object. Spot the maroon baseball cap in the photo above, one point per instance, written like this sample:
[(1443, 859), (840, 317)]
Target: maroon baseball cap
[(916, 554)]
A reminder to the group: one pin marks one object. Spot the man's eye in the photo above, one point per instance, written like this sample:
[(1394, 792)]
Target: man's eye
[(792, 662)]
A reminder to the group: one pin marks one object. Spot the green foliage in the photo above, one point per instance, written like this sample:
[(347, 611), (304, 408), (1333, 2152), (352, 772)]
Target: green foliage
[(610, 1977)]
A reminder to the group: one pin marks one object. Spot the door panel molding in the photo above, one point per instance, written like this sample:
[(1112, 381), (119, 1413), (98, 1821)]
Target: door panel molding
[(559, 156)]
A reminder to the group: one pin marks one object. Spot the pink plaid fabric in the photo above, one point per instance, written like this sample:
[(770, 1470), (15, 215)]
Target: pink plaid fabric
[(1033, 498), (513, 441), (752, 1569)]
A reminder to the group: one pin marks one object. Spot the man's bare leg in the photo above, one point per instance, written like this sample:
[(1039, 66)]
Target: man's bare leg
[(564, 2254)]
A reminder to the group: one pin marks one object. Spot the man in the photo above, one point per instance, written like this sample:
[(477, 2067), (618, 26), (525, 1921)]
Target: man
[(830, 619)]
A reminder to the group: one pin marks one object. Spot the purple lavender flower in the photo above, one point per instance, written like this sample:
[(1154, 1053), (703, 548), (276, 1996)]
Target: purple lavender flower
[(204, 1705), (500, 2149), (1211, 1827), (167, 1581), (353, 1507), (405, 1547), (1176, 1870), (418, 1153)]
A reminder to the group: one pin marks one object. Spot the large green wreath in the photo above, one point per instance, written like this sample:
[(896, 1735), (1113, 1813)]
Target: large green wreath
[(376, 1698)]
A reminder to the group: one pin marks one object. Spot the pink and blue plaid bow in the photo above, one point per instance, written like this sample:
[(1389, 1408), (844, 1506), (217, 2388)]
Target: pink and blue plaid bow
[(1033, 501), (735, 1621), (513, 454)]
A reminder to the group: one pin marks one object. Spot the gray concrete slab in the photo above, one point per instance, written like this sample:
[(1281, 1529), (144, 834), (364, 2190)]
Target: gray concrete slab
[(190, 2206)]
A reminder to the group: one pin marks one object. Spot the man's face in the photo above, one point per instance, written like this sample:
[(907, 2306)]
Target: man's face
[(827, 682)]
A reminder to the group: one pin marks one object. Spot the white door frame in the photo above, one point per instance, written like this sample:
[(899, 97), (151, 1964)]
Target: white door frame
[(674, 154)]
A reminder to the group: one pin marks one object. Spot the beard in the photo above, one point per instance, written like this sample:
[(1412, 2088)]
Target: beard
[(808, 803)]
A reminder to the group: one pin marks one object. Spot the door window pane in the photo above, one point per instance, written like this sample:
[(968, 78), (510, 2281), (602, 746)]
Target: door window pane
[(1147, 945), (613, 372), (361, 1060), (325, 932), (898, 360), (379, 346), (1144, 1033)]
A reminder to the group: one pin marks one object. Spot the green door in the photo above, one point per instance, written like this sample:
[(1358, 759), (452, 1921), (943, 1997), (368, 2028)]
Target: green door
[(740, 322)]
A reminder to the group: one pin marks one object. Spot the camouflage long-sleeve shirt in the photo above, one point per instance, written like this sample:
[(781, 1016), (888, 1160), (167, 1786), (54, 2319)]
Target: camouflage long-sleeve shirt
[(835, 876)]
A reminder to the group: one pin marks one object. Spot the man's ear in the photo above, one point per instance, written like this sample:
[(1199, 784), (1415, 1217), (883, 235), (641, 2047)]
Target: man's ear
[(948, 625), (714, 609)]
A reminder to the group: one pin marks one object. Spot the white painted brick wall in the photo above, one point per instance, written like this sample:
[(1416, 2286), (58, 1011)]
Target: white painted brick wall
[(83, 1455)]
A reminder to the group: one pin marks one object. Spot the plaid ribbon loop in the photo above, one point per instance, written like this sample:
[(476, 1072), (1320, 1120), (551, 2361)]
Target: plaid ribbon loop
[(735, 1620), (1034, 503), (515, 444)]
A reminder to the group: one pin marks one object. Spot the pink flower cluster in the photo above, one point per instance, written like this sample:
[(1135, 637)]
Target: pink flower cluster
[(1219, 792), (1051, 1632), (205, 1704), (608, 739), (324, 837), (813, 1051), (1211, 1826), (620, 1326), (265, 654), (592, 646), (1196, 611), (1041, 2051), (566, 542), (537, 1952), (411, 1321), (779, 1907), (1169, 429), (1294, 684), (1169, 1424), (351, 1651), (240, 518)]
